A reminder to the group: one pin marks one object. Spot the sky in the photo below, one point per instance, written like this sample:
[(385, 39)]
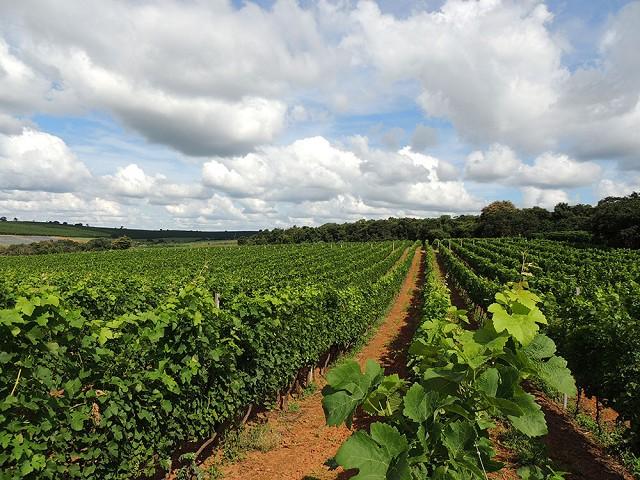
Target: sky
[(225, 115)]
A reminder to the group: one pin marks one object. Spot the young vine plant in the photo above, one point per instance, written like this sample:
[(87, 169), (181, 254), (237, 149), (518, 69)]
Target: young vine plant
[(436, 426)]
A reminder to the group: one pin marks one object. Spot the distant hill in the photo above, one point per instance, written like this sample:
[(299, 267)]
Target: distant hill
[(61, 230)]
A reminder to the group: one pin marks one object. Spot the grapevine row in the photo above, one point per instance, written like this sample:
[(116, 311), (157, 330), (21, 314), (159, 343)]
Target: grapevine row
[(111, 396)]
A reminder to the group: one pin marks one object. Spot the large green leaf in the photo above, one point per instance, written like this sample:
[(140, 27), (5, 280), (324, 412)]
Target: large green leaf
[(340, 406), (522, 327), (488, 381), (456, 436), (541, 347), (532, 422), (555, 374), (372, 455), (418, 404)]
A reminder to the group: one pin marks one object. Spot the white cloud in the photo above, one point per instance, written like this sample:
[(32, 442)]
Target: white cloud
[(500, 164), (551, 170), (312, 171), (308, 169), (132, 182), (204, 78), (490, 67), (63, 206), (496, 163), (612, 188), (10, 125), (35, 160), (545, 198)]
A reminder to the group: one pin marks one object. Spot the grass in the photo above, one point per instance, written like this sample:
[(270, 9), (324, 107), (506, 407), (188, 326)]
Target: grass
[(172, 236), (613, 438), (237, 443), (48, 229), (531, 455), (309, 390)]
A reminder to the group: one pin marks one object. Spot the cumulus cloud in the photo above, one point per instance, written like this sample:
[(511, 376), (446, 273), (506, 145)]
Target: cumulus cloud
[(552, 170), (545, 198), (490, 67), (549, 170), (70, 206), (132, 182), (34, 160), (494, 70), (315, 171), (211, 91), (264, 96), (613, 188), (497, 163)]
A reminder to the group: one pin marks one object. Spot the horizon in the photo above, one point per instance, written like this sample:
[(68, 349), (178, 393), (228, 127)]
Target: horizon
[(271, 114)]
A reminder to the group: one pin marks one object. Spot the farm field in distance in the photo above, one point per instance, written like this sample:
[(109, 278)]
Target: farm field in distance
[(76, 231)]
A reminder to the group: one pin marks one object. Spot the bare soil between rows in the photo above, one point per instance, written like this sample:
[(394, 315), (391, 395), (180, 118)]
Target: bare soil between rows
[(306, 443)]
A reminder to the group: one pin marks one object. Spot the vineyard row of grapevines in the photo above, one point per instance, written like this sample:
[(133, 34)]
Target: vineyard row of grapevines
[(436, 425), (109, 361), (592, 301)]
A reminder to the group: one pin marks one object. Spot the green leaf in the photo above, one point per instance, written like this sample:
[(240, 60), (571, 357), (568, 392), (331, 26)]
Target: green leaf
[(521, 327), (532, 422), (389, 439), (487, 382), (555, 374), (77, 420), (541, 347), (104, 335), (25, 306), (418, 404), (361, 452), (456, 436), (72, 387), (339, 407), (342, 375), (38, 461)]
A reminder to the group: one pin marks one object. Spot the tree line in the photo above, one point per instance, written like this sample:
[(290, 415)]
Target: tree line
[(614, 221), (67, 246)]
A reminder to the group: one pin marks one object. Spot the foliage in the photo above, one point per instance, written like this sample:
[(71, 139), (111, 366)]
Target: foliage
[(66, 246), (591, 298), (55, 228), (616, 221), (103, 378), (121, 243), (437, 426)]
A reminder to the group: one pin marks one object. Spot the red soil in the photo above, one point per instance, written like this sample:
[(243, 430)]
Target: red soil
[(305, 441)]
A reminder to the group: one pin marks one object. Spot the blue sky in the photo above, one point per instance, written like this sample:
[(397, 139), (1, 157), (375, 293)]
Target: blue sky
[(224, 115)]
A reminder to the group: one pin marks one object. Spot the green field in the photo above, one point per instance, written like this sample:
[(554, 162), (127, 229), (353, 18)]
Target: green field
[(61, 230), (50, 229)]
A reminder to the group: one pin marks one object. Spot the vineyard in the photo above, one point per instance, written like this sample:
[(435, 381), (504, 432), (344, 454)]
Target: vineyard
[(110, 361), (591, 298), (113, 362)]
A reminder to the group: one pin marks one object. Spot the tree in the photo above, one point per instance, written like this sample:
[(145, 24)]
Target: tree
[(3, 219), (616, 221), (121, 243), (498, 219)]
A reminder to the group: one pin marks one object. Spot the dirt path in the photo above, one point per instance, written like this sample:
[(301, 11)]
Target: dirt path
[(571, 448), (305, 441)]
